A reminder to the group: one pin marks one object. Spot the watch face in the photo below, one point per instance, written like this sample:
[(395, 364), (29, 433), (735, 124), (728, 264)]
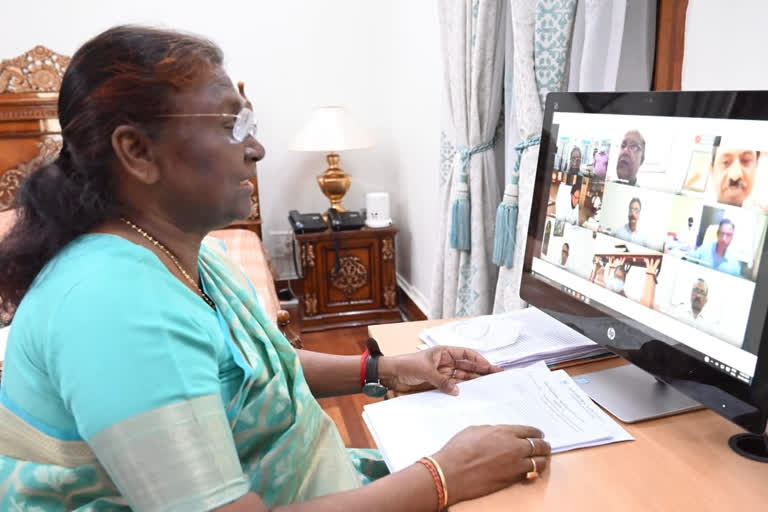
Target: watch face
[(374, 389)]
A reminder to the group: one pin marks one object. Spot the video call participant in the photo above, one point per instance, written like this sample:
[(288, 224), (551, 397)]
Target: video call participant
[(568, 209), (614, 277), (732, 172), (693, 312), (687, 239), (601, 164), (564, 254), (631, 157), (715, 254), (630, 231), (574, 164)]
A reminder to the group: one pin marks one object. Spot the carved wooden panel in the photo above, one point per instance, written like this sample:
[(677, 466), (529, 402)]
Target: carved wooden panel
[(30, 136), (360, 289), (38, 70), (48, 150), (352, 275)]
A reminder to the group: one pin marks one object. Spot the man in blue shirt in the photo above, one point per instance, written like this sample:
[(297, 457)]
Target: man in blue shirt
[(715, 254)]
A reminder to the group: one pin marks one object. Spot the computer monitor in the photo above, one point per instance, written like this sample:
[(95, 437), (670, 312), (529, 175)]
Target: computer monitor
[(647, 234)]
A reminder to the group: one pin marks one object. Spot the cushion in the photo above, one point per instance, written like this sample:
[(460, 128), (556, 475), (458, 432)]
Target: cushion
[(245, 248)]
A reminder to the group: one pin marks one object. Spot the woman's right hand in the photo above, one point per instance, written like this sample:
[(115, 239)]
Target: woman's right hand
[(483, 459)]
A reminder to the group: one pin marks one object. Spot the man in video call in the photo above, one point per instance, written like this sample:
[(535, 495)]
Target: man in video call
[(715, 254), (693, 313), (699, 299), (564, 253), (732, 172), (687, 239), (631, 157), (630, 231), (568, 209)]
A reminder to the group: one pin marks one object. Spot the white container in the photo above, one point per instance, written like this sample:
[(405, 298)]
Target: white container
[(377, 210)]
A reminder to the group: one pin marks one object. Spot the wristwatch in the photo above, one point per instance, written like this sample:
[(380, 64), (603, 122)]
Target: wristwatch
[(372, 386)]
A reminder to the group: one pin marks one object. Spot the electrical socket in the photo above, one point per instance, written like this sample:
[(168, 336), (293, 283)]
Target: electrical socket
[(281, 252)]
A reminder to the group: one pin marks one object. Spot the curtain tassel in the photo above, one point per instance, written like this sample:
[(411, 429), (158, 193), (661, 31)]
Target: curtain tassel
[(460, 225), (506, 228)]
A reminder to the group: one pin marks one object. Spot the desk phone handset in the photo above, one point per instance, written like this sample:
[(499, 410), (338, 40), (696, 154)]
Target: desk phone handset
[(341, 221), (306, 222)]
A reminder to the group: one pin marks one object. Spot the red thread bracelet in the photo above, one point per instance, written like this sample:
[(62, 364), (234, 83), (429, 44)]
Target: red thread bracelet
[(363, 360)]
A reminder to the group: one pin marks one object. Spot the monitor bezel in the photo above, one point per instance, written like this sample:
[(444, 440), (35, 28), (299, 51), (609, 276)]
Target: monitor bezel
[(747, 105)]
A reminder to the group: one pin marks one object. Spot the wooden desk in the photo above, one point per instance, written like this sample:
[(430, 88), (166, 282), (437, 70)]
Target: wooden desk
[(679, 463)]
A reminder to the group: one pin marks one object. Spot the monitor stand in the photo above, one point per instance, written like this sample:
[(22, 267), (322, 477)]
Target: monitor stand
[(633, 395), (751, 446)]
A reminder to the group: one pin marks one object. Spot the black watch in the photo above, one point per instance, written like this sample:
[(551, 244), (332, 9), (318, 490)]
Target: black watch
[(373, 386)]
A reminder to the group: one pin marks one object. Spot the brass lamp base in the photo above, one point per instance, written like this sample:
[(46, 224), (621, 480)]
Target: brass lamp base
[(333, 182)]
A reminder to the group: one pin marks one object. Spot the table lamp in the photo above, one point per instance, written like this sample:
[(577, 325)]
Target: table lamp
[(331, 129)]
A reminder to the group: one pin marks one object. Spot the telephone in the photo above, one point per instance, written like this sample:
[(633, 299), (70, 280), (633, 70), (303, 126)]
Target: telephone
[(306, 222), (341, 221)]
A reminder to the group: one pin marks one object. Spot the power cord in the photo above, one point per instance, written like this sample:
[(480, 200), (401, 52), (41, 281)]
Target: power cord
[(296, 265)]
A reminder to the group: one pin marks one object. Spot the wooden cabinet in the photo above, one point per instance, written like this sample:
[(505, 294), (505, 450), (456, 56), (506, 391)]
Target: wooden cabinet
[(349, 278)]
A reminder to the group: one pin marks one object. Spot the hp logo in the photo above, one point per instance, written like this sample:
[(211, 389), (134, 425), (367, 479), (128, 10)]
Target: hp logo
[(611, 333)]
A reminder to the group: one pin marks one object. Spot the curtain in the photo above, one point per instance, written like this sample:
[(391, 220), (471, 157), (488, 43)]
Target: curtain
[(541, 38), (472, 39), (592, 45)]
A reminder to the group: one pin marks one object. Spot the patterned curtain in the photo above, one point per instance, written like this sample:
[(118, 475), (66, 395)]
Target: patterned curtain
[(541, 40), (472, 39), (557, 47)]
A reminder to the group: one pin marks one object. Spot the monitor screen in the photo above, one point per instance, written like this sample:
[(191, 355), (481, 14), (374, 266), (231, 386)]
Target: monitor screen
[(647, 233)]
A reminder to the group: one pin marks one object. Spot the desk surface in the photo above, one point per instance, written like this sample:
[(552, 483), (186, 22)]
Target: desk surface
[(678, 463)]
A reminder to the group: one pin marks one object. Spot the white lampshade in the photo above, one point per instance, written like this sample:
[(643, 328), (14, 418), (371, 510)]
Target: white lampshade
[(330, 129)]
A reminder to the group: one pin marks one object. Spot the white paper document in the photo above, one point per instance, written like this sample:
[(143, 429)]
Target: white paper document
[(409, 427), (515, 339)]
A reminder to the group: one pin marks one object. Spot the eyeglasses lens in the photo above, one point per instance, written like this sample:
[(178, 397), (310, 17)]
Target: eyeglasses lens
[(245, 125)]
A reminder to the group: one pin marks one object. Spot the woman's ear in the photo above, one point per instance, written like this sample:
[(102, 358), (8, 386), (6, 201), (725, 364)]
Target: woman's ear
[(134, 152)]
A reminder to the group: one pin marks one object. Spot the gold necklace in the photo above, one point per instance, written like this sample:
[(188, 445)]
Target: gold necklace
[(170, 255)]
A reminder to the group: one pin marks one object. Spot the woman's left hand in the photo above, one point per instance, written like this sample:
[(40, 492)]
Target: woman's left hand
[(436, 367)]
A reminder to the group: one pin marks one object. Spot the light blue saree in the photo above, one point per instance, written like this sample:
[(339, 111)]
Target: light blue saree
[(180, 454)]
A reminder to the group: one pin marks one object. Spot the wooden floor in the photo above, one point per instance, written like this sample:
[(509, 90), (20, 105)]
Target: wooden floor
[(346, 410)]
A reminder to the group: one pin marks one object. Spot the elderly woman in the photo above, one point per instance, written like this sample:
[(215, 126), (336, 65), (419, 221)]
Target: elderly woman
[(141, 372)]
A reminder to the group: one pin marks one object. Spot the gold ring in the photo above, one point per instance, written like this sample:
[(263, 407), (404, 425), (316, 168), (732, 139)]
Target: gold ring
[(533, 474), (533, 446), (453, 374)]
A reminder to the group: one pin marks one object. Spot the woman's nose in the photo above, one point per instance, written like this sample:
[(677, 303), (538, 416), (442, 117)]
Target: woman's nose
[(254, 151)]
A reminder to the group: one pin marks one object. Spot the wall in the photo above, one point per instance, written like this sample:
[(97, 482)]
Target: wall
[(416, 92), (724, 42), (379, 59)]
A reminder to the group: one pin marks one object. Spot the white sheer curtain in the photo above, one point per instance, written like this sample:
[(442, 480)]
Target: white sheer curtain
[(472, 37), (610, 45)]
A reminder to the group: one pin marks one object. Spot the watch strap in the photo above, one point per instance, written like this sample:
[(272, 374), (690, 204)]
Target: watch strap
[(372, 368), (373, 347)]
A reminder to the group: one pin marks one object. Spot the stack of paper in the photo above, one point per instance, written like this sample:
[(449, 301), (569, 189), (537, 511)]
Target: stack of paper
[(515, 339), (412, 426)]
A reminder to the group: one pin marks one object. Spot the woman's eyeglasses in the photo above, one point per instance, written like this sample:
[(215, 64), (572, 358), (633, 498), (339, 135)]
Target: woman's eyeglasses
[(245, 122)]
